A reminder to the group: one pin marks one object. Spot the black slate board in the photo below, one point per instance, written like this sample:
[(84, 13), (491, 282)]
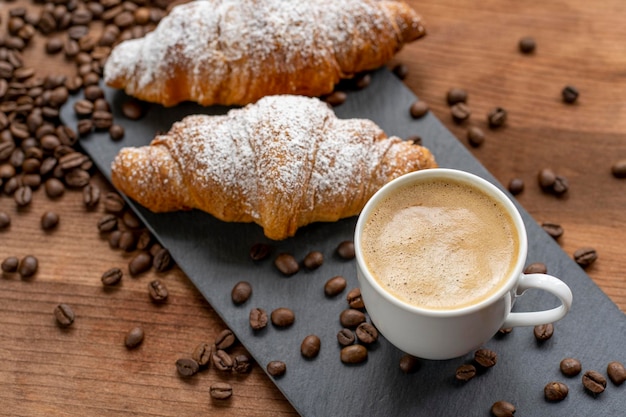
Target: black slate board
[(215, 256)]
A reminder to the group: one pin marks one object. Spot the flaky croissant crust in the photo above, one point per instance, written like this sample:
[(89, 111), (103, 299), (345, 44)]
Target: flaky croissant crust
[(233, 52)]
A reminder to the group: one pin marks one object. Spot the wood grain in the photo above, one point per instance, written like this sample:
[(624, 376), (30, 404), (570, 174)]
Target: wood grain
[(86, 370)]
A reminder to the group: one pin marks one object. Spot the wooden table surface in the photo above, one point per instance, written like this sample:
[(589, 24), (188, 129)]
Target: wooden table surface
[(86, 369)]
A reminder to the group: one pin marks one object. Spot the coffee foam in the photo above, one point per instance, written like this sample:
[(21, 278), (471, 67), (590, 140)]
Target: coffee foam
[(440, 245)]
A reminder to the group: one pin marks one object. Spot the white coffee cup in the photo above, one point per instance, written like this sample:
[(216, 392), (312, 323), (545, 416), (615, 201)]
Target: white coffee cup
[(452, 332)]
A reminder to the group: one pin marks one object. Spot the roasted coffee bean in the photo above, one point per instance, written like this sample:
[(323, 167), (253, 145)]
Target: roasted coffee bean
[(140, 263), (616, 372), (83, 108), (49, 220), (351, 318), (475, 136), (570, 366), (10, 264), (241, 292), (101, 104), (260, 251), (497, 117), (32, 180), (155, 248), (276, 368), (543, 332), (12, 184), (419, 109), (555, 391), (31, 166), (202, 354), (225, 339), (282, 317), (112, 277), (516, 186), (222, 360), (335, 286), (485, 357), (64, 315), (310, 346), (116, 132), (456, 95), (546, 178), (561, 185), (49, 142), (504, 331), (107, 223), (114, 239), (313, 260), (527, 45), (354, 298), (415, 140), (401, 71), (353, 354), (77, 178), (569, 94), (132, 109), (220, 390), (336, 98), (460, 112), (5, 220), (187, 367), (23, 196), (594, 382), (134, 337), (345, 249), (84, 127), (286, 264), (502, 409), (91, 195), (131, 220), (345, 337), (553, 229), (536, 268), (618, 169), (409, 364), (366, 333), (258, 318), (465, 372), (102, 120), (113, 203), (585, 256), (93, 93), (144, 240), (157, 291), (242, 364), (162, 261)]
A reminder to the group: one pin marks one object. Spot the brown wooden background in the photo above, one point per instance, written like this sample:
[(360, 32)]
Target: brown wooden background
[(86, 370)]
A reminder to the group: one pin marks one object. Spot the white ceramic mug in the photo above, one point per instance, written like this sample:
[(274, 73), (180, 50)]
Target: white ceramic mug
[(446, 334)]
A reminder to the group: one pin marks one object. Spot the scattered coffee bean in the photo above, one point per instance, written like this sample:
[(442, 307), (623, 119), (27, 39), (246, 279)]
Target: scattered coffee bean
[(144, 241), (354, 298), (366, 333), (131, 220), (49, 220), (618, 169), (225, 339), (460, 112), (310, 346), (64, 315), (91, 195), (415, 140), (353, 354), (127, 241), (516, 186), (409, 364), (561, 185), (465, 372), (485, 357), (497, 117), (336, 98), (282, 317), (401, 71), (313, 260), (505, 331), (10, 264), (585, 256), (503, 409), (241, 292), (570, 366), (139, 263), (419, 109), (543, 332), (258, 318), (546, 178), (569, 94), (335, 286), (553, 229), (162, 260), (276, 368), (202, 354), (5, 220), (345, 337), (114, 203), (345, 249), (132, 109), (157, 291), (242, 364), (475, 136), (351, 318), (187, 367), (112, 277), (23, 196), (286, 264), (594, 382), (221, 391), (536, 268), (260, 251), (28, 266), (222, 360), (116, 132), (456, 95), (114, 239), (134, 337), (527, 45), (616, 372)]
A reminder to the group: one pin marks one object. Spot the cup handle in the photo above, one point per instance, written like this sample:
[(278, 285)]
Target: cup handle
[(547, 283)]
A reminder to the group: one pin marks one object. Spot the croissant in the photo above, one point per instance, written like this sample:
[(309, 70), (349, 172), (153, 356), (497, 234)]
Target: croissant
[(233, 52), (282, 163)]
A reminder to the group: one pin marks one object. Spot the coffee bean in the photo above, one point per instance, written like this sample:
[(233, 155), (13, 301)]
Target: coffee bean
[(84, 127), (485, 357), (366, 333), (112, 277), (497, 117), (102, 120), (276, 368), (221, 391), (107, 223), (594, 382), (401, 71), (354, 298), (83, 108), (460, 112), (345, 249), (310, 346), (516, 186), (415, 140), (543, 332), (553, 229), (114, 239), (536, 268), (49, 220), (91, 195), (144, 240), (616, 372), (28, 266), (116, 132), (345, 337), (10, 264), (465, 372), (504, 331), (5, 220), (456, 95), (282, 317), (353, 354), (351, 318), (286, 264), (132, 109), (134, 337), (313, 260), (419, 109), (241, 292), (23, 196), (362, 81), (409, 364), (555, 391), (258, 318), (561, 185), (157, 291), (618, 169), (131, 220), (546, 178), (225, 339), (64, 315), (335, 286), (475, 136), (139, 263), (222, 360), (569, 94), (585, 256), (336, 98), (162, 261), (187, 367), (260, 251), (202, 354), (527, 45), (77, 178), (242, 364), (502, 409), (113, 203), (570, 366)]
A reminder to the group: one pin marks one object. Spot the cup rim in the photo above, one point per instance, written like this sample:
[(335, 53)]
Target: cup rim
[(465, 177)]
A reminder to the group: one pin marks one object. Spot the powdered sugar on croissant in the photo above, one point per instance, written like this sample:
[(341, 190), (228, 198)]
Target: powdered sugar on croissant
[(282, 163), (237, 51)]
